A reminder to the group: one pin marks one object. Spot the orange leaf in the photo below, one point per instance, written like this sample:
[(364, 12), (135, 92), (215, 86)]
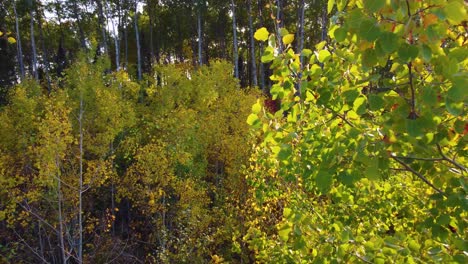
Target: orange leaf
[(429, 19)]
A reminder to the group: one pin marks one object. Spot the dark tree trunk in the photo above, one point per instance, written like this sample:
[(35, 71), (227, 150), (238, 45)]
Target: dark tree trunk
[(252, 47)]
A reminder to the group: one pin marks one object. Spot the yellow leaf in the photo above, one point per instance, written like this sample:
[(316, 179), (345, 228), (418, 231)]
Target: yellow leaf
[(11, 40), (261, 34), (288, 39)]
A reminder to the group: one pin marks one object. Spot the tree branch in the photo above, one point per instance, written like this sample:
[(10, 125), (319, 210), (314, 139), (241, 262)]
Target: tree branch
[(452, 161), (419, 175)]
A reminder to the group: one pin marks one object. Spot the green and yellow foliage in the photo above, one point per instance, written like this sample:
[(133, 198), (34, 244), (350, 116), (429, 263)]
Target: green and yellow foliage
[(366, 159), (162, 171)]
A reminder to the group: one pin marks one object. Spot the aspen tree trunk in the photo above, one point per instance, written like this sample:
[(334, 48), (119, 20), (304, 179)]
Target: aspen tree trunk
[(33, 44), (324, 23), (279, 23), (234, 40), (252, 46), (18, 44), (80, 190), (151, 20), (101, 20), (300, 42), (117, 35), (300, 28), (138, 41), (262, 69), (78, 22), (60, 218), (200, 35), (45, 55)]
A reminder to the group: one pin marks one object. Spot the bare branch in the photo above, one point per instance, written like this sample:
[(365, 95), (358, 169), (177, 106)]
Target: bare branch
[(452, 161), (419, 175)]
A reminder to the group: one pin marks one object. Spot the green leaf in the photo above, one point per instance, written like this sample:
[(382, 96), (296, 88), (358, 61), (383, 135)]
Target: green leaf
[(288, 39), (306, 52), (359, 105), (414, 245), (372, 170), (324, 181), (253, 120), (369, 30), (374, 5), (455, 12), (256, 108), (323, 56), (283, 32), (330, 5), (287, 212), (369, 58), (426, 53), (261, 34), (376, 102), (284, 231), (340, 34), (453, 107), (408, 52), (388, 42), (459, 90)]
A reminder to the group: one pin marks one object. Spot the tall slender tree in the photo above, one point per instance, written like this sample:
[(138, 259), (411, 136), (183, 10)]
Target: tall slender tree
[(18, 43), (33, 41), (234, 40), (252, 46), (137, 36)]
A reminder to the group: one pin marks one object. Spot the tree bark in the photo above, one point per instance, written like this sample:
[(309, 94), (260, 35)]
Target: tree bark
[(262, 69), (102, 25), (279, 24), (151, 21), (252, 46), (18, 44), (234, 40), (78, 22), (137, 35), (80, 190), (200, 35), (45, 56), (33, 44)]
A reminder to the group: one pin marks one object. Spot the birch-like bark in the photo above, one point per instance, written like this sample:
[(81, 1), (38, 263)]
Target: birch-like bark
[(45, 55), (200, 34), (279, 24), (252, 46), (102, 23), (151, 21), (80, 190), (18, 44), (137, 41), (324, 23), (33, 44), (234, 40), (78, 22), (60, 219)]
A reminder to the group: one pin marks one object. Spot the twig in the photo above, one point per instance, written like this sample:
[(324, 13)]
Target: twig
[(30, 248), (419, 175), (452, 161)]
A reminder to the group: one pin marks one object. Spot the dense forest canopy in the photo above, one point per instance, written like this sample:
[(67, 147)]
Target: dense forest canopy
[(234, 131)]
